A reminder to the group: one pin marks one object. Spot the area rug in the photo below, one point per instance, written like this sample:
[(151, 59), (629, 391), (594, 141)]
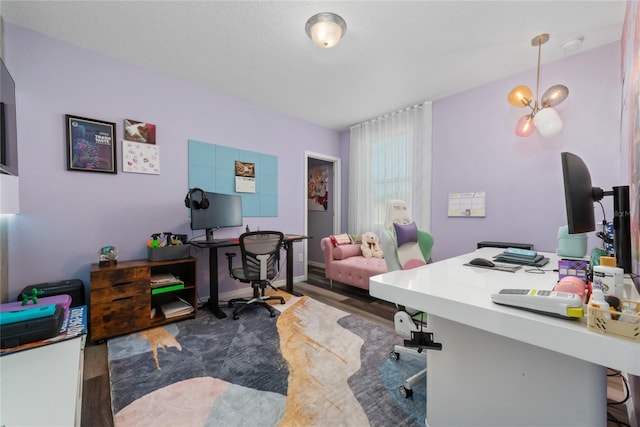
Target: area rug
[(310, 365)]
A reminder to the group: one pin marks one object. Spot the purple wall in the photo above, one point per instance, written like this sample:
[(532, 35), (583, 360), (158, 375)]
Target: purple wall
[(475, 149), (66, 216)]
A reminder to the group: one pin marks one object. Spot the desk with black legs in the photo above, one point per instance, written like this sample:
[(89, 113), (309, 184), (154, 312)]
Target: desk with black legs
[(213, 247)]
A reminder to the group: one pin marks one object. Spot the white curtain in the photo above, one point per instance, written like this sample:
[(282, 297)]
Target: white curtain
[(390, 158)]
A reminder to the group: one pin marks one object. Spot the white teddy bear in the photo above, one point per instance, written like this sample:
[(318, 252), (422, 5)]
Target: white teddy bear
[(370, 246)]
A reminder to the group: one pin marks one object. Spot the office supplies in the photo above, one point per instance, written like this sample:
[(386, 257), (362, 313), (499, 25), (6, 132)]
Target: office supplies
[(164, 279), (165, 289), (27, 331), (538, 261), (561, 304), (21, 315), (176, 308), (523, 253), (64, 301)]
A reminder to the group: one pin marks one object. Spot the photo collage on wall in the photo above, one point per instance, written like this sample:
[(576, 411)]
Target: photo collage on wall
[(140, 153), (318, 189)]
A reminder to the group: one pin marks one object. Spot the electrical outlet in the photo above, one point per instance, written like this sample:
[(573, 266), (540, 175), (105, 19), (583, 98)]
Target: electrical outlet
[(300, 257)]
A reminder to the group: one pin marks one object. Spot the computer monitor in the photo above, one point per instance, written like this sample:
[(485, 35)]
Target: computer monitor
[(222, 210), (8, 123), (579, 199)]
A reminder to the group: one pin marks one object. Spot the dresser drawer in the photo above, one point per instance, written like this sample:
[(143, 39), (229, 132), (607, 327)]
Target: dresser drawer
[(108, 277), (120, 292), (126, 315)]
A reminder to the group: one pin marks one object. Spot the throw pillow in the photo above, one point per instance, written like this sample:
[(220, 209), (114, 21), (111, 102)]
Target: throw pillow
[(340, 239), (346, 251), (356, 238), (406, 233)]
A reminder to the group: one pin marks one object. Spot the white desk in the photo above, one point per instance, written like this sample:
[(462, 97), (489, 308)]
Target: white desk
[(501, 365), (42, 386)]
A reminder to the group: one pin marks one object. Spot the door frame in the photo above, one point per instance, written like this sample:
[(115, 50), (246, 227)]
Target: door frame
[(336, 197)]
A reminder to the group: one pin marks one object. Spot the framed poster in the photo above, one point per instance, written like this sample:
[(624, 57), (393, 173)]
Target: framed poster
[(91, 146)]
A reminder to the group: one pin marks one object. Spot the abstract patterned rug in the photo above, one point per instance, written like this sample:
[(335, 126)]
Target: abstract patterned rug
[(311, 365)]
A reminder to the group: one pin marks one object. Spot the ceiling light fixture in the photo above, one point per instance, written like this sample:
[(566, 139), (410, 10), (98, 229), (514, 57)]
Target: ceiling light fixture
[(326, 29), (542, 116)]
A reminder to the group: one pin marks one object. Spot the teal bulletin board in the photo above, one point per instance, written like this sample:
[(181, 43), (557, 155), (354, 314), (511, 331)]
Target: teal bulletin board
[(212, 168)]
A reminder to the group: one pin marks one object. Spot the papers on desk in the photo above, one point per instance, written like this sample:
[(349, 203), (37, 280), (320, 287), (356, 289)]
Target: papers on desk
[(164, 279), (176, 308), (165, 282), (523, 257)]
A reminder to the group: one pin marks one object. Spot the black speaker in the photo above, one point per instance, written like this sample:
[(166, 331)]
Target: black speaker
[(202, 204)]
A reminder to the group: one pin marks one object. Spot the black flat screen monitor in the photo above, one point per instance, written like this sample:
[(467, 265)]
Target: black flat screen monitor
[(579, 199), (225, 210), (578, 194), (8, 123)]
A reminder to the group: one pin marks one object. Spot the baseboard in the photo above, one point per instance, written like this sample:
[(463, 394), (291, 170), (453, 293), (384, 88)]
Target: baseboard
[(316, 264)]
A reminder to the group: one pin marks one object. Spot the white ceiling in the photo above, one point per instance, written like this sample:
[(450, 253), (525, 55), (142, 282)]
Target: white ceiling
[(393, 55)]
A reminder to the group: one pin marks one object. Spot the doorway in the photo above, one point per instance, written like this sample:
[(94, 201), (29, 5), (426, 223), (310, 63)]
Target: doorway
[(322, 203)]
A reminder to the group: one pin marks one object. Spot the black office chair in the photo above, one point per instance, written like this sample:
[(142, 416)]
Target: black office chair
[(260, 252)]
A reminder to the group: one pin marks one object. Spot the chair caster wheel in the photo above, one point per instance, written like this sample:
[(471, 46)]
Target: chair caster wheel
[(394, 356), (236, 317), (405, 392), (229, 304), (272, 314)]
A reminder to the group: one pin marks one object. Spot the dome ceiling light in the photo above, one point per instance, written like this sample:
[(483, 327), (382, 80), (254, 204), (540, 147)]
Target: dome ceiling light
[(326, 29)]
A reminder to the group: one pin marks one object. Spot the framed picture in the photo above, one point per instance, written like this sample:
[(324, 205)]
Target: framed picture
[(91, 145)]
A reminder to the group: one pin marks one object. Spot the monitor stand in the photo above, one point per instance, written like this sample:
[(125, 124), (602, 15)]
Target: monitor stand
[(209, 236)]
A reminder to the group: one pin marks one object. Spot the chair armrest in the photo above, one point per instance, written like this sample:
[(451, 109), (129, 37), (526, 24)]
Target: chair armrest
[(230, 256)]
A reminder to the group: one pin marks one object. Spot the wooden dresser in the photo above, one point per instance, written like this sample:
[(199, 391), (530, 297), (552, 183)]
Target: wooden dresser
[(121, 300)]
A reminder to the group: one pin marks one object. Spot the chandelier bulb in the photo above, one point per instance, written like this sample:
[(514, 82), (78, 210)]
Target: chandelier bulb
[(548, 122), (520, 96), (554, 95), (525, 126)]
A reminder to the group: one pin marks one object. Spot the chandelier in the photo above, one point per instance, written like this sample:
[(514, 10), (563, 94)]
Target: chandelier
[(542, 116)]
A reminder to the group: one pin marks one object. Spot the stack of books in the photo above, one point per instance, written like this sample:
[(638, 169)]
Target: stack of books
[(178, 307), (522, 257), (165, 282)]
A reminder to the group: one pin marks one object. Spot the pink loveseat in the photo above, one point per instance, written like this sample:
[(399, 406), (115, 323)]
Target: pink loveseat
[(345, 264)]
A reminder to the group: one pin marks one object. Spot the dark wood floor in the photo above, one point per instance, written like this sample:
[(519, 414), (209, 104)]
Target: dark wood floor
[(96, 400)]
